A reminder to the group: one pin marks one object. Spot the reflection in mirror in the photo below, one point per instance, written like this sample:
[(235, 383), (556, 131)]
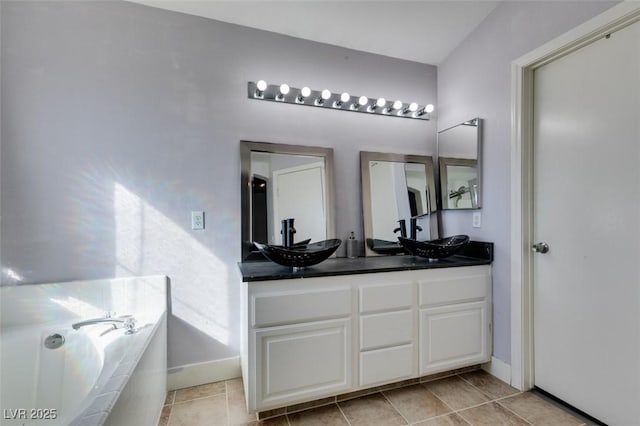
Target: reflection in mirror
[(398, 193), (459, 149), (282, 182)]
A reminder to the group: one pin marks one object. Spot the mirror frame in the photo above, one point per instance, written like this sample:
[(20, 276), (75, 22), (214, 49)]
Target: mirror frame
[(365, 180), (246, 148), (443, 162)]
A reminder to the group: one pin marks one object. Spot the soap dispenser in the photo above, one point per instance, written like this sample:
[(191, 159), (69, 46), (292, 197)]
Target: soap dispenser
[(352, 246)]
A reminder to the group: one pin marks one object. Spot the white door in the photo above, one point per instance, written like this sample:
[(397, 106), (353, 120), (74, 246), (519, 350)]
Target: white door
[(587, 209), (299, 193)]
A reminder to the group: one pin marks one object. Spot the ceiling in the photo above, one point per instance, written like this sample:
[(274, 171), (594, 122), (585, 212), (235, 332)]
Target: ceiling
[(417, 30)]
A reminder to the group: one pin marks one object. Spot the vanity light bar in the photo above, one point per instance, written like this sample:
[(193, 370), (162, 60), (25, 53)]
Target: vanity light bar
[(282, 93)]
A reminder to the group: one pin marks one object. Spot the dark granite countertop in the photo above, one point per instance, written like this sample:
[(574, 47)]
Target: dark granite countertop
[(476, 253)]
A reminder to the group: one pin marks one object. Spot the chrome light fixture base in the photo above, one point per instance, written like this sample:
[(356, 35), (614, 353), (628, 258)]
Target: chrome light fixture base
[(272, 93)]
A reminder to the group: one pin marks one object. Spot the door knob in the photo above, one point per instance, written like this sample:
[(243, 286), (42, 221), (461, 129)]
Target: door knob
[(540, 248)]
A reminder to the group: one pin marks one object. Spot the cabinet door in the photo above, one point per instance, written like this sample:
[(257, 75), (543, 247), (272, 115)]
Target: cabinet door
[(302, 362), (453, 336)]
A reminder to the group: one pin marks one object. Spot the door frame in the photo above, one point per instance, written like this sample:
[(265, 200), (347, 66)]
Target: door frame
[(522, 70)]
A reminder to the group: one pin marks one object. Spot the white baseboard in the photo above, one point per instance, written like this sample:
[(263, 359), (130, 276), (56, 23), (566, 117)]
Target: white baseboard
[(203, 372), (499, 369)]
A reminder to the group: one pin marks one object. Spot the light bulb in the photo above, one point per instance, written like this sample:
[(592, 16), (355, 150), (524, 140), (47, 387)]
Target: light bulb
[(397, 105), (429, 108), (380, 102), (304, 93), (261, 85), (413, 107), (344, 97), (284, 89), (324, 95), (362, 100)]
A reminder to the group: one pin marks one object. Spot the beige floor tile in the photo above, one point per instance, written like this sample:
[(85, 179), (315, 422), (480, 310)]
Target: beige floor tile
[(489, 385), (237, 407), (538, 411), (448, 420), (201, 391), (200, 412), (169, 399), (416, 403), (164, 416), (491, 414), (456, 393), (328, 415), (371, 410), (235, 385)]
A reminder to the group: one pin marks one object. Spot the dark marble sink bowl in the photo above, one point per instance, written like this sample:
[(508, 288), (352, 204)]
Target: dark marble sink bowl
[(435, 249), (384, 246), (300, 255)]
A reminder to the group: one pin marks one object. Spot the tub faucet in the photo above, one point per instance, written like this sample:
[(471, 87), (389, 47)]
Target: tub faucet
[(127, 321)]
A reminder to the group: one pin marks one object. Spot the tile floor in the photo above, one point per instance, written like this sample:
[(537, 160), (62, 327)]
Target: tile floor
[(474, 398)]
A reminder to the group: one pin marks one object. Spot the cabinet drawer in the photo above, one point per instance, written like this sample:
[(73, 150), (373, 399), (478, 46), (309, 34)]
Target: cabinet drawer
[(386, 365), (386, 297), (450, 290), (387, 329), (296, 307)]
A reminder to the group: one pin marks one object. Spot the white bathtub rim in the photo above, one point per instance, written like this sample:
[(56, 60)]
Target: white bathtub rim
[(99, 402)]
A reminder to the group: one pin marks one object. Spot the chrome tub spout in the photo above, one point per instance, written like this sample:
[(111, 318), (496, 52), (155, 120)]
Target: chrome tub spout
[(127, 322)]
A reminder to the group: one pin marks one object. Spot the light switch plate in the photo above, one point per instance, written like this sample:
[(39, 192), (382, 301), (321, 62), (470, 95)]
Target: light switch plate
[(477, 220), (197, 220)]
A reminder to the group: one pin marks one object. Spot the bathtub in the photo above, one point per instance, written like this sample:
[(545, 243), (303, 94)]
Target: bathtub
[(100, 375)]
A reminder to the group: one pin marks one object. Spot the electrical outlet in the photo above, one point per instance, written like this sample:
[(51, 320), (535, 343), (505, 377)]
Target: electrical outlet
[(197, 220), (477, 220)]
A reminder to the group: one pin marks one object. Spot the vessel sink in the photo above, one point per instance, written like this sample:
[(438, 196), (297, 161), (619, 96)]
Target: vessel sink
[(299, 255), (435, 249)]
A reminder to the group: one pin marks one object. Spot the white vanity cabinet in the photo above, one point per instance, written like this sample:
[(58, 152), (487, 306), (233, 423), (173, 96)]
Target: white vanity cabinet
[(455, 318), (309, 338), (297, 341)]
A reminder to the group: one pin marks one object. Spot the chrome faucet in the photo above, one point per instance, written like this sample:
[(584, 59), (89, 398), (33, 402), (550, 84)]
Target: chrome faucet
[(126, 321)]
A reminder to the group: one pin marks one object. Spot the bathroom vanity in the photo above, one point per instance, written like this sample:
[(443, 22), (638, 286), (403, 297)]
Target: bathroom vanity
[(350, 324)]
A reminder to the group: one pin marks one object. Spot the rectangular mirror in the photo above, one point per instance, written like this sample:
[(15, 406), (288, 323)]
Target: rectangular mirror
[(280, 182), (396, 187), (460, 165)]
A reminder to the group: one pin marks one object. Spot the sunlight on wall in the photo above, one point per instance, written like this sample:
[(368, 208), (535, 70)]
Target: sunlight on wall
[(147, 242), (10, 276)]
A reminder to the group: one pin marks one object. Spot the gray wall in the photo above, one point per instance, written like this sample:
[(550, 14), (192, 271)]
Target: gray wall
[(119, 119), (475, 81)]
